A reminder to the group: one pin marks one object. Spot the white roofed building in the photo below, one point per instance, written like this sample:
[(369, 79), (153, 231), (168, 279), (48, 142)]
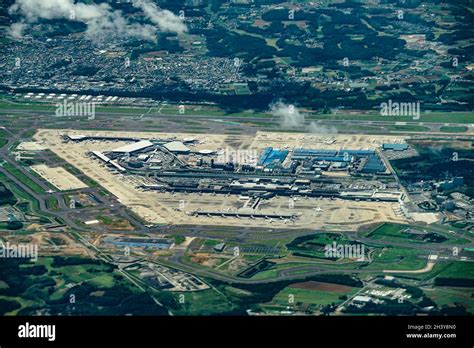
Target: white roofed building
[(176, 147), (131, 148)]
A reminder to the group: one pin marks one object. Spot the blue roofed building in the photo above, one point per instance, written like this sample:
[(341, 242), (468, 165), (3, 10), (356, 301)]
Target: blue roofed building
[(270, 157), (373, 165), (394, 147)]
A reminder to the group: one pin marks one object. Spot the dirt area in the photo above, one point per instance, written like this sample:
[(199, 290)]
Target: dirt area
[(115, 223), (429, 266), (30, 146), (207, 260), (427, 218), (53, 244)]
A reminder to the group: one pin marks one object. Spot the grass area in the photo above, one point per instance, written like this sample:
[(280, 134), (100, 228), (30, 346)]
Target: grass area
[(458, 270), (3, 141), (26, 106), (302, 297), (205, 302), (451, 297), (179, 239), (211, 242), (52, 203), (437, 269), (453, 129), (395, 258), (408, 128), (114, 222), (106, 220), (402, 233), (273, 272), (435, 117), (19, 194), (23, 178)]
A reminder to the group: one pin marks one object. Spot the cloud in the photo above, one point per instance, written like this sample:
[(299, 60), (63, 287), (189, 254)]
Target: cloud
[(291, 118), (164, 19), (289, 115), (315, 127), (101, 20), (116, 25), (56, 9), (15, 31)]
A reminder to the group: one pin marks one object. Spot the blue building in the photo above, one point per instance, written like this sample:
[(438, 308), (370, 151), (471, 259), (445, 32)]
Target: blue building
[(373, 165), (271, 157), (395, 147)]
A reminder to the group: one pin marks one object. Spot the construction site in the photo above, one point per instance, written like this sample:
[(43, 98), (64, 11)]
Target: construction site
[(269, 180)]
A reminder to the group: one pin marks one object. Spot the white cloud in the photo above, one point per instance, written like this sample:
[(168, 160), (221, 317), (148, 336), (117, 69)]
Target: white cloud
[(101, 20), (289, 115), (166, 20), (15, 31), (291, 118)]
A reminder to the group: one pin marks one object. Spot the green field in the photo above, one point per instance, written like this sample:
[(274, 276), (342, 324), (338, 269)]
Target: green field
[(23, 178), (313, 246), (408, 128), (394, 258), (204, 302), (451, 297), (458, 270), (388, 232), (3, 141), (302, 297), (453, 129)]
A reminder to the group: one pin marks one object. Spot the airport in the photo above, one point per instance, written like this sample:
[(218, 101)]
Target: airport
[(191, 178)]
